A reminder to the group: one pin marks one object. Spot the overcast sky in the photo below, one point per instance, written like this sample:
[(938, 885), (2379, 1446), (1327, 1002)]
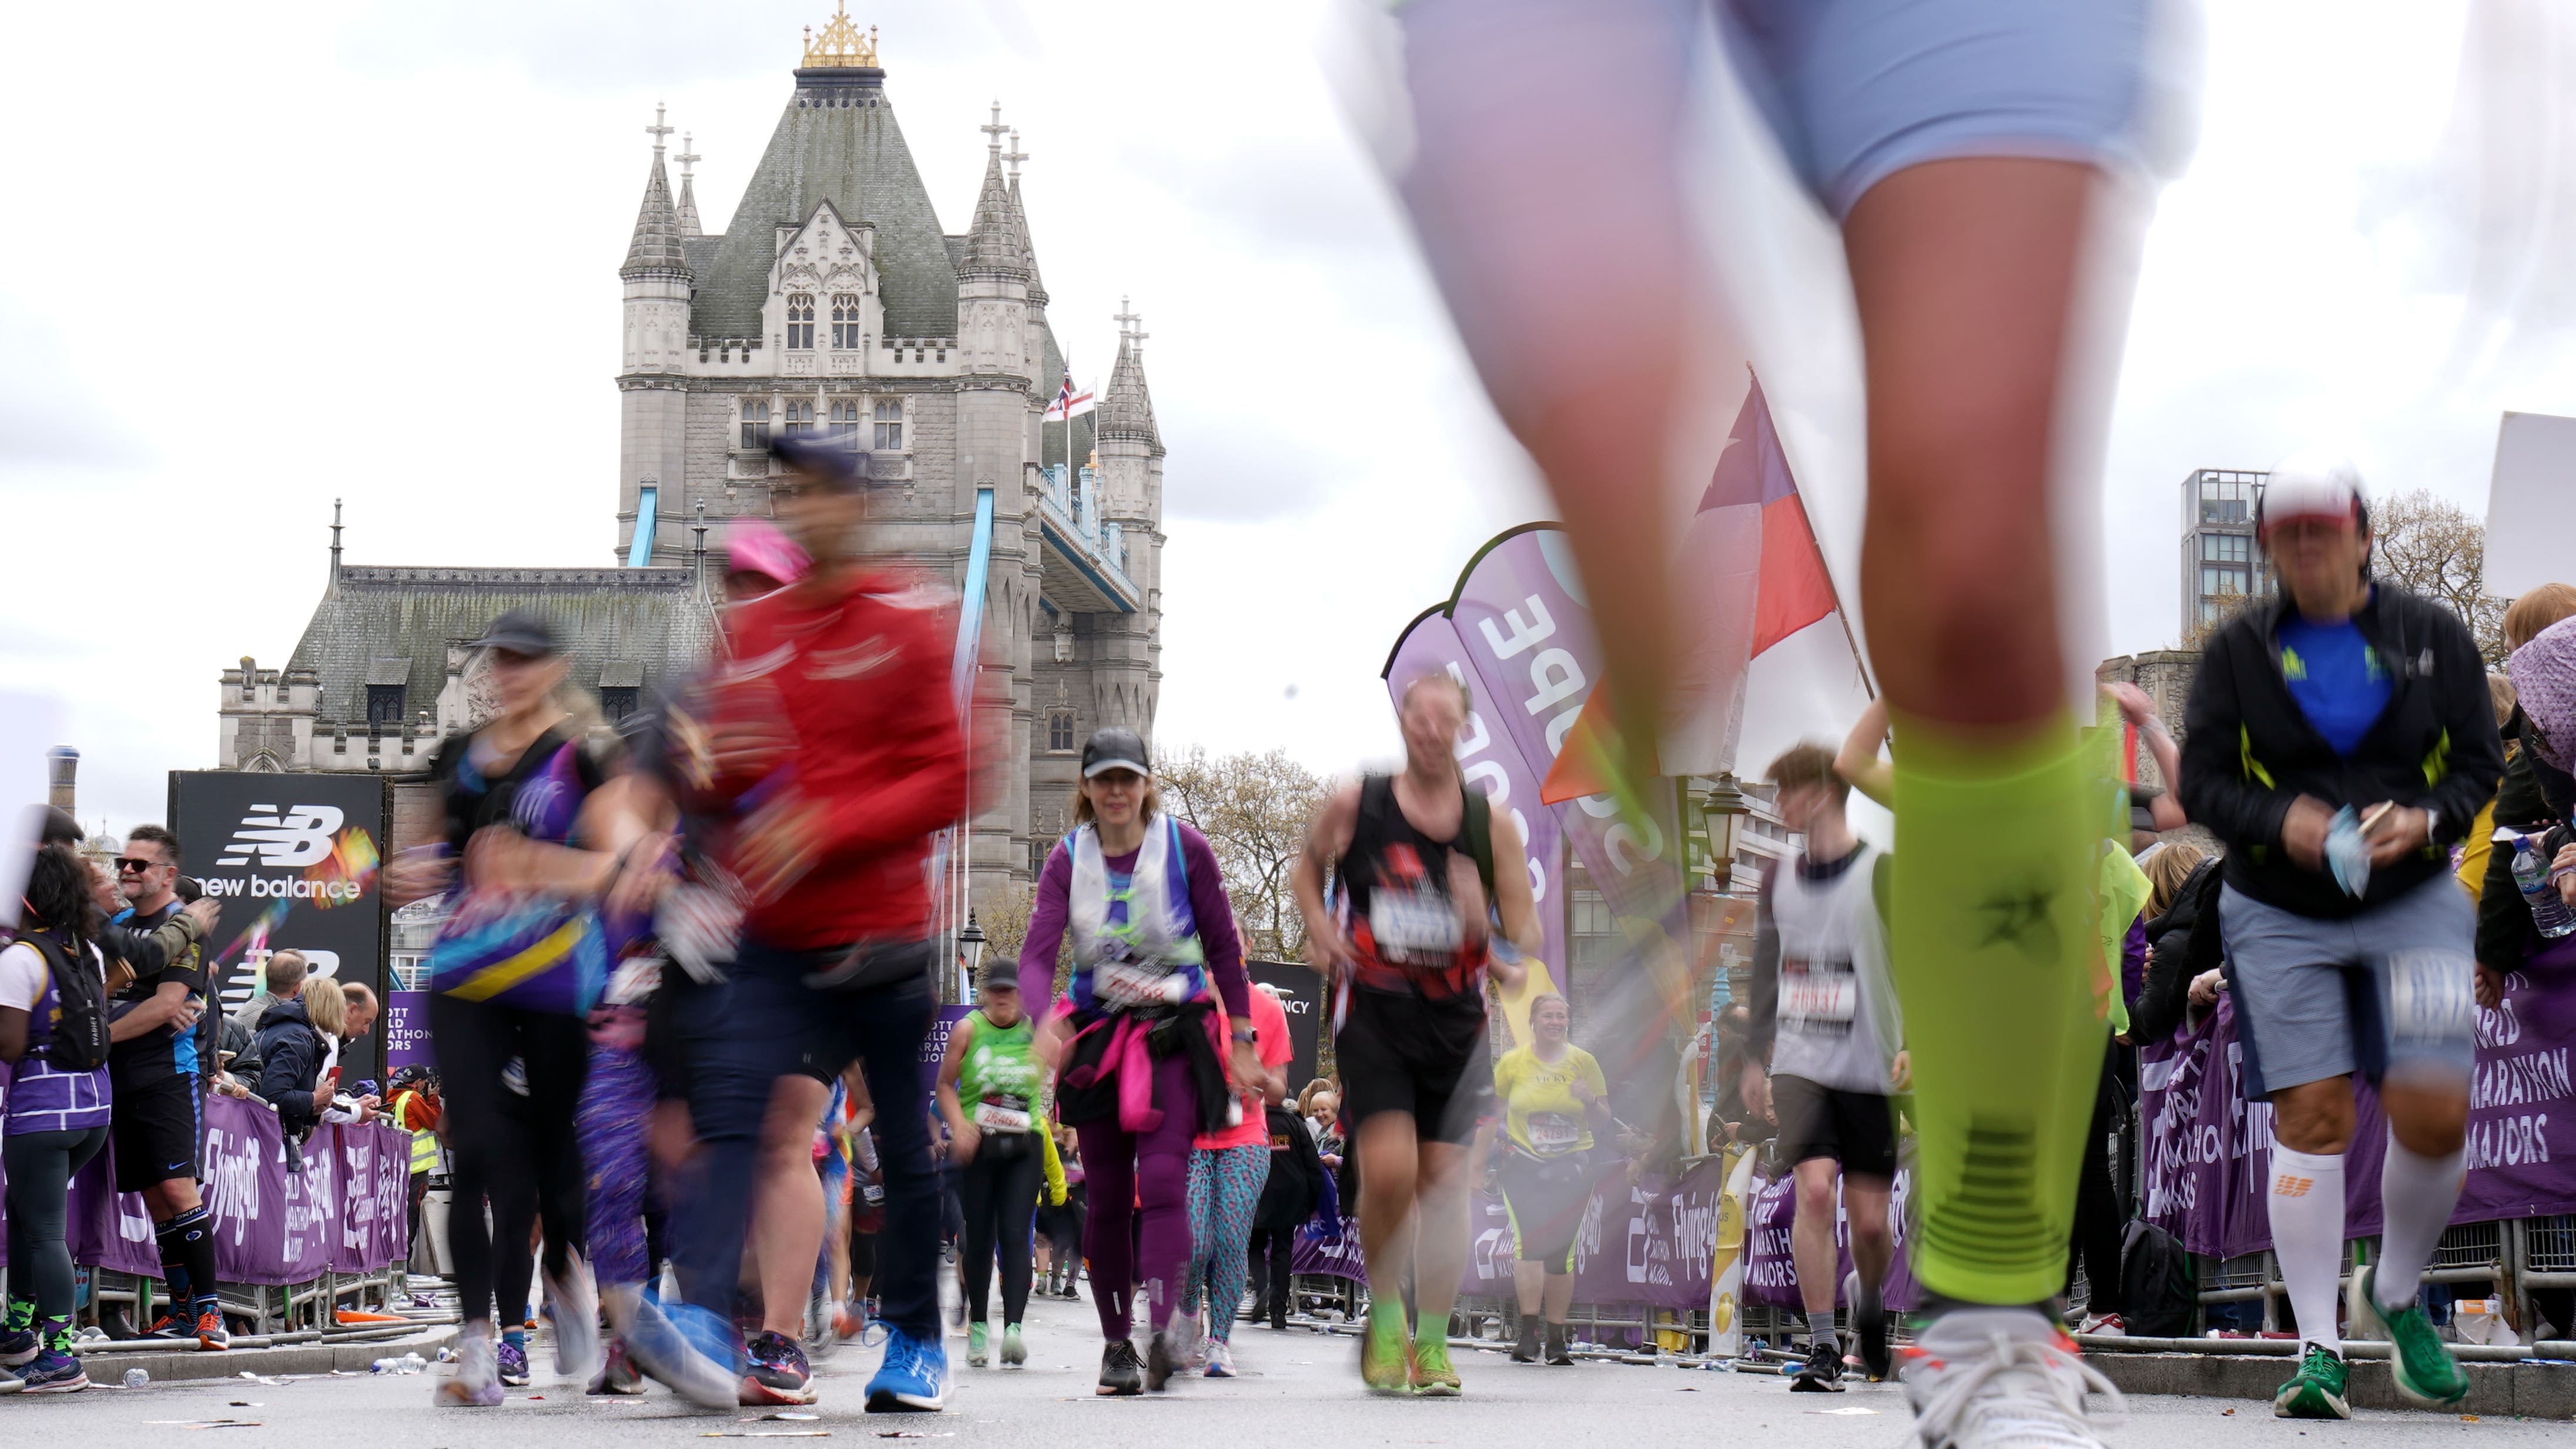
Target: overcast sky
[(263, 256)]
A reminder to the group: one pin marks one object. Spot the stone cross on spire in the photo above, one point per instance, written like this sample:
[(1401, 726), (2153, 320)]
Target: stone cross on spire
[(1126, 319), (657, 130), (994, 130), (686, 158), (1015, 155)]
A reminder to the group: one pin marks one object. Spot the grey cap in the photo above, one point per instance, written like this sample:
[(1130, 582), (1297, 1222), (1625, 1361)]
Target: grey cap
[(1114, 748), (999, 970), (522, 631)]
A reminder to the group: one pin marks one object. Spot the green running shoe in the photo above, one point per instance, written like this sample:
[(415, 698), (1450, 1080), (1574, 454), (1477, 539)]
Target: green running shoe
[(1433, 1378), (2418, 1360), (1384, 1351), (979, 1337), (1015, 1349), (2316, 1390)]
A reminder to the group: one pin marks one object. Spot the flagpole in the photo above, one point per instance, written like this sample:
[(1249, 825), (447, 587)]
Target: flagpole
[(1842, 615)]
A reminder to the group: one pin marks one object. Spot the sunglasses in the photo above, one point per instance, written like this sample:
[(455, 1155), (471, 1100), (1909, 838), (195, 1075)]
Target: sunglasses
[(128, 865)]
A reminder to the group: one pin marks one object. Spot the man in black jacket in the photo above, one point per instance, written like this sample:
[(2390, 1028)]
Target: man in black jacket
[(2340, 737)]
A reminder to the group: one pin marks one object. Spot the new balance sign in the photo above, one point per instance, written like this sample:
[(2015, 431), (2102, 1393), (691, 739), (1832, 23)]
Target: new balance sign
[(300, 837)]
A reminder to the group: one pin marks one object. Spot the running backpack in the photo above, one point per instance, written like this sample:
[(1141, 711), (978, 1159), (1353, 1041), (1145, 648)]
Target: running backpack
[(2156, 1288), (79, 1042)]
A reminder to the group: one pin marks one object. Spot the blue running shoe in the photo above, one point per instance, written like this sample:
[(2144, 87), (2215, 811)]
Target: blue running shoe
[(19, 1347), (53, 1372), (913, 1379), (661, 1347), (778, 1373)]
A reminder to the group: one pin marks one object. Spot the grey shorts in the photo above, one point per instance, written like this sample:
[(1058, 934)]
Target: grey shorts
[(2391, 987)]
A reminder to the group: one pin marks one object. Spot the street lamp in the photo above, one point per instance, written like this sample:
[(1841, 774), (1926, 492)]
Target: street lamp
[(970, 948), (1725, 810)]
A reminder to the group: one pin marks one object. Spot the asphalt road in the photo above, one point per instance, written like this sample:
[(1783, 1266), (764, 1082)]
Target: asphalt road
[(1299, 1388)]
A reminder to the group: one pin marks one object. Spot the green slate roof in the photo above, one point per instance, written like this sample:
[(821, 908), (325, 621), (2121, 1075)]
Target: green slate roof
[(837, 141)]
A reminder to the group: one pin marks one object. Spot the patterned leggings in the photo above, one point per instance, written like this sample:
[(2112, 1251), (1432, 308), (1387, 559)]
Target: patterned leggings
[(610, 1126), (1225, 1187)]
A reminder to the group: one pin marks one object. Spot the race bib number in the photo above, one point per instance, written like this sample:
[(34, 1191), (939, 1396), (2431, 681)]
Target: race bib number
[(1553, 1134), (1818, 998), (1000, 1116), (1123, 984), (1415, 926)]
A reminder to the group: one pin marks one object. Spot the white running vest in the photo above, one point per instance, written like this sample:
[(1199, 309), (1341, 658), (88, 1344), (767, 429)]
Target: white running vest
[(1838, 1021)]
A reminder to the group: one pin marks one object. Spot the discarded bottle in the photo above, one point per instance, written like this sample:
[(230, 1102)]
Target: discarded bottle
[(386, 1366), (136, 1378), (413, 1363), (2531, 874)]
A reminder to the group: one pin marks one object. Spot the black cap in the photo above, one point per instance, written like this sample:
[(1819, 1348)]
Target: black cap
[(59, 828), (999, 970), (831, 456), (1114, 748), (522, 631)]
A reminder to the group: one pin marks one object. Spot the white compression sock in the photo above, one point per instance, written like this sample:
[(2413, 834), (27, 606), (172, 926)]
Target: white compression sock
[(2416, 1195), (2306, 1208)]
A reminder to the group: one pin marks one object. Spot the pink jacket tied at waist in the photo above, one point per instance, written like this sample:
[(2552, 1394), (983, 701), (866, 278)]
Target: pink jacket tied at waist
[(1132, 1059)]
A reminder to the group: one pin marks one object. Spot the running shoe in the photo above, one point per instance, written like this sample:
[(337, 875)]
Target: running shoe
[(1163, 1358), (1279, 1315), (1384, 1351), (53, 1372), (777, 1372), (210, 1332), (171, 1325), (2316, 1390), (912, 1379), (1559, 1352), (2001, 1378), (1526, 1350), (1015, 1349), (1121, 1376), (617, 1373), (850, 1320), (658, 1342), (1877, 1363), (979, 1338), (2105, 1325), (513, 1359), (476, 1382), (1822, 1372), (1432, 1376), (1220, 1360), (2423, 1368), (19, 1346), (573, 1304)]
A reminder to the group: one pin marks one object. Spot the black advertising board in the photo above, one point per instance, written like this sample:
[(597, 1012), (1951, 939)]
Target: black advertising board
[(1301, 995), (294, 859)]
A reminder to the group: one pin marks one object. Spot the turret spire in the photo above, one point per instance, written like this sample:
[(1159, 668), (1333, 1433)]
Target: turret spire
[(1127, 409), (995, 246), (656, 249), (688, 193), (1020, 218)]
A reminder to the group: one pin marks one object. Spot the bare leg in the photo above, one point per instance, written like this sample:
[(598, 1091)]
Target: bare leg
[(1811, 1236), (1388, 1162), (788, 1229), (1530, 1280), (1440, 1243), (1560, 1296)]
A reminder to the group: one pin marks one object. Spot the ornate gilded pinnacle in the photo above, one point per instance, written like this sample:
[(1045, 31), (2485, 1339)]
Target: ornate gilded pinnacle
[(840, 46)]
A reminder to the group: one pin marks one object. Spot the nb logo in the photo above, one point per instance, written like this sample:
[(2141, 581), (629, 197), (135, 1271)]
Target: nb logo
[(300, 837)]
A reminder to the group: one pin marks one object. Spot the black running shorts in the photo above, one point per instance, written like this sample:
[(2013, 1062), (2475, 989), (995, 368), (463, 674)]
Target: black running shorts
[(1856, 1129), (1406, 1054), (156, 1129)]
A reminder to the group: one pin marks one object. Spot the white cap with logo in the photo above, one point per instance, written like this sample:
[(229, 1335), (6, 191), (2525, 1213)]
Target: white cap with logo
[(2311, 485)]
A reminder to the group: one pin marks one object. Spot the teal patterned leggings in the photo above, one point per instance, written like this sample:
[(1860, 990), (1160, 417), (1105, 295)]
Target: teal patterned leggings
[(1225, 1186)]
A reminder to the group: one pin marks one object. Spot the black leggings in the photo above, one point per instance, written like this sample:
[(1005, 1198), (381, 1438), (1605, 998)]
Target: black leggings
[(1269, 1267), (40, 1166), (519, 1153), (2098, 1220), (1000, 1196)]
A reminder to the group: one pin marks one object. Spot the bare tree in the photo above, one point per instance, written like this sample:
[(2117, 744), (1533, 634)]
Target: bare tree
[(1253, 809), (1005, 921), (2436, 549)]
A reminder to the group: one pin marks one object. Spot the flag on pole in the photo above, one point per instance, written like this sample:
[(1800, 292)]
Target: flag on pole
[(1752, 576), (1068, 404)]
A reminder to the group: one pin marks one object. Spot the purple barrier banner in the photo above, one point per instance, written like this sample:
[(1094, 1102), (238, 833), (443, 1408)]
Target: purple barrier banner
[(344, 1212), (407, 1031), (2209, 1150), (1770, 1265)]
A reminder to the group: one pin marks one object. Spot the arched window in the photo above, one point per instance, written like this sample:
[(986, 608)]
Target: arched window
[(800, 320), (1060, 730), (889, 426), (755, 424), (800, 418), (845, 322), (846, 424)]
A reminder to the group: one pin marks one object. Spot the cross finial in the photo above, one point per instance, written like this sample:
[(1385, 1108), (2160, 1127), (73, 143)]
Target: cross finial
[(1015, 155), (688, 144), (657, 130), (994, 130), (1126, 320)]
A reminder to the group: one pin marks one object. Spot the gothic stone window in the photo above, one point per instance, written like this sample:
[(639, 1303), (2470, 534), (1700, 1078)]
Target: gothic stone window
[(384, 706), (890, 426), (1060, 730), (755, 424), (846, 424), (845, 322), (800, 320), (800, 418)]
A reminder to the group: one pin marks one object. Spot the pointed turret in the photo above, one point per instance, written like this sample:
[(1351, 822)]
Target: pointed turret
[(1020, 216), (1127, 410), (656, 249), (994, 246), (688, 190)]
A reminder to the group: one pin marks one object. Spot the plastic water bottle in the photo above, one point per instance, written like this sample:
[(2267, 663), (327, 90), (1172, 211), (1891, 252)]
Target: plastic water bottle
[(136, 1378), (2531, 873), (413, 1363)]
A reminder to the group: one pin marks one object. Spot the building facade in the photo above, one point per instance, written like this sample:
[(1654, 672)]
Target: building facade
[(833, 301), (2221, 565)]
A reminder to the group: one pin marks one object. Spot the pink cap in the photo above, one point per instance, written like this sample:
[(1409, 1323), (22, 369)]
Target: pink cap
[(753, 547)]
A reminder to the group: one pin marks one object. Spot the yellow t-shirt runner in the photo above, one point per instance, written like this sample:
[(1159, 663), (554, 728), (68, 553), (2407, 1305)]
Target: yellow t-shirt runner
[(1541, 1112)]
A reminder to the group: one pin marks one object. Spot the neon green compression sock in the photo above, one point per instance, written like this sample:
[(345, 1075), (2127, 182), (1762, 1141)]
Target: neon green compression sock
[(1995, 946)]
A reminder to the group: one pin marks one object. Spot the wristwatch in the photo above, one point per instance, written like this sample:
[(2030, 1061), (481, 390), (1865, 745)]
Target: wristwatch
[(1243, 1034)]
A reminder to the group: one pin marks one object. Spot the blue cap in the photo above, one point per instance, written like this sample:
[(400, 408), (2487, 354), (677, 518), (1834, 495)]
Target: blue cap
[(832, 456)]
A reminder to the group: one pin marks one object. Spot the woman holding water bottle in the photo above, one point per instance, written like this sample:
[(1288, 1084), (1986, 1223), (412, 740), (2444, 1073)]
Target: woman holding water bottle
[(2533, 796)]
